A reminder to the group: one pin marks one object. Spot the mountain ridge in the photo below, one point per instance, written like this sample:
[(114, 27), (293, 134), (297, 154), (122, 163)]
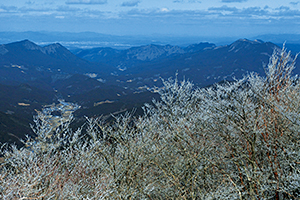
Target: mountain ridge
[(140, 53), (204, 63), (27, 61), (32, 76)]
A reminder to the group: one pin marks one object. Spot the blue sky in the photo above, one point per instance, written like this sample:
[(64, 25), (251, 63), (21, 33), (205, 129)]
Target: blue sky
[(149, 17)]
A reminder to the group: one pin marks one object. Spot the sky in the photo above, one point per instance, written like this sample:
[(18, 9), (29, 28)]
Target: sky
[(241, 18)]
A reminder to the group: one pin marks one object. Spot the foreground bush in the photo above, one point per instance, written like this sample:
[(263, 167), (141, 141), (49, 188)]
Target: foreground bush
[(236, 140)]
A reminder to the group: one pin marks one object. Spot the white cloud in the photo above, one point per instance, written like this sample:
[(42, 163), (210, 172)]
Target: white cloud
[(130, 3), (86, 2), (164, 10), (59, 17)]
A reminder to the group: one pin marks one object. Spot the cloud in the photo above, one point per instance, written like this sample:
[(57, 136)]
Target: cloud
[(223, 8), (59, 17), (295, 3), (186, 1), (67, 9), (233, 11), (130, 3), (70, 11), (283, 8), (30, 2), (29, 9), (164, 10), (136, 20), (233, 1), (86, 2), (165, 13), (249, 13), (8, 8)]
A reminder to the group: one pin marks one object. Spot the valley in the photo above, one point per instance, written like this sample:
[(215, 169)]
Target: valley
[(105, 80)]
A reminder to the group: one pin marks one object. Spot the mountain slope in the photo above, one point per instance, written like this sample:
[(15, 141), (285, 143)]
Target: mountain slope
[(205, 67), (24, 61), (23, 99), (135, 55), (13, 128), (219, 63)]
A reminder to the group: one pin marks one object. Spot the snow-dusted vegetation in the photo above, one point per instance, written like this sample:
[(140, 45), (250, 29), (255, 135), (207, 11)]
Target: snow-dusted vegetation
[(235, 140)]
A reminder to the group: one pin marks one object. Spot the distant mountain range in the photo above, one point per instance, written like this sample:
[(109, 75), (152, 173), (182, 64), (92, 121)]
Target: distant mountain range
[(144, 53), (133, 68), (105, 80), (73, 40), (203, 63)]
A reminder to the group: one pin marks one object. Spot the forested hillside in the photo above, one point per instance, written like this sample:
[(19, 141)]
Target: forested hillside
[(235, 140)]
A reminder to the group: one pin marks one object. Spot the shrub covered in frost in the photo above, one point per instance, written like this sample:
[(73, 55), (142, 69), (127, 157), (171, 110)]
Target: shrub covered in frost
[(236, 140)]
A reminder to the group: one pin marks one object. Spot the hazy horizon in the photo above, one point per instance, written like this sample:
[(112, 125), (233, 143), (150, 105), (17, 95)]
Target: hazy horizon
[(214, 18), (74, 40)]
